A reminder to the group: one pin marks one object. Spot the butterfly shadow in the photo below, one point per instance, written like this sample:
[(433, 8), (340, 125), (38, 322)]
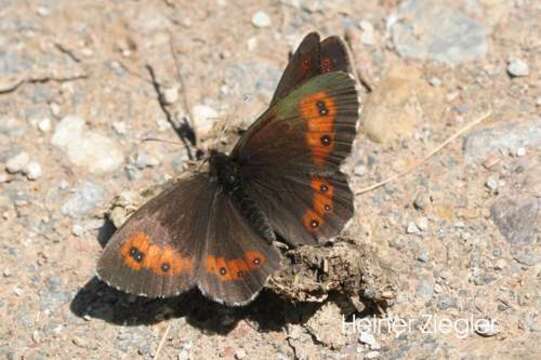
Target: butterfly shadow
[(267, 312)]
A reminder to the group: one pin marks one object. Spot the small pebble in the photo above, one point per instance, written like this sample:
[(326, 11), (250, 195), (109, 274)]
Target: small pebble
[(18, 291), (204, 118), (240, 354), (120, 127), (33, 170), (518, 68), (487, 328), (368, 339), (538, 102), (44, 125), (6, 273), (17, 162), (55, 109), (500, 264), (43, 11), (423, 255), (170, 94), (434, 81), (261, 19), (77, 230), (492, 183), (422, 223), (491, 161), (36, 337), (422, 201), (412, 228), (521, 151)]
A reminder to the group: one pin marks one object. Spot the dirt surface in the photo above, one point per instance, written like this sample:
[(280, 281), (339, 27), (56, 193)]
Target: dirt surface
[(442, 263)]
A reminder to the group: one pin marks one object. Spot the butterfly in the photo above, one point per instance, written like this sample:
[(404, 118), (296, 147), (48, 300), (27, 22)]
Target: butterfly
[(215, 230)]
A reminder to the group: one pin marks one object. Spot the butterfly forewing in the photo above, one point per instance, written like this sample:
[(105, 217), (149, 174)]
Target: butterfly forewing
[(154, 252), (295, 156)]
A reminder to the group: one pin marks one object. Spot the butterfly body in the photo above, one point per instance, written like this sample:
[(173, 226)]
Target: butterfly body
[(215, 230)]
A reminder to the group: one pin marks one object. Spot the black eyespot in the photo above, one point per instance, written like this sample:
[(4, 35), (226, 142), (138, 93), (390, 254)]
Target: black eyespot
[(327, 207), (323, 188), (136, 254), (223, 271), (325, 140), (314, 224), (165, 267), (256, 261), (322, 108)]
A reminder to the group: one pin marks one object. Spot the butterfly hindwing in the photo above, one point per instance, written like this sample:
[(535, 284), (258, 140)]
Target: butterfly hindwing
[(236, 260)]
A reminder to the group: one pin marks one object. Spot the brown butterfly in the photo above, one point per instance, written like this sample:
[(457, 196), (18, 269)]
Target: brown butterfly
[(215, 230)]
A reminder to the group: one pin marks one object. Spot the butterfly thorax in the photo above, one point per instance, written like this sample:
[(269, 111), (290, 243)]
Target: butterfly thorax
[(225, 171)]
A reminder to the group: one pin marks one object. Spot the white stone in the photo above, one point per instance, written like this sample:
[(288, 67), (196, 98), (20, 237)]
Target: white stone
[(422, 223), (86, 148), (204, 117), (44, 125), (521, 151), (412, 228), (368, 339), (170, 94), (33, 170), (518, 68), (120, 127), (17, 162), (261, 19), (67, 129)]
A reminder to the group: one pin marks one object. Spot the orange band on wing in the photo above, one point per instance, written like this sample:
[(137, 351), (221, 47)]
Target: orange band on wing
[(319, 113), (322, 200), (234, 269), (138, 252)]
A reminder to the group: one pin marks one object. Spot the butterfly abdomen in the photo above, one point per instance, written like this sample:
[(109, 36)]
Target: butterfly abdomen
[(252, 212)]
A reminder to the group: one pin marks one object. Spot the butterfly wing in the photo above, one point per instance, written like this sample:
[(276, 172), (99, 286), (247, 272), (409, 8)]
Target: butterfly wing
[(154, 252), (190, 234), (291, 158), (236, 259), (313, 57)]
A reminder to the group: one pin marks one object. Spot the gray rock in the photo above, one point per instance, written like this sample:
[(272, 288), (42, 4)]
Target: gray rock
[(509, 137), (518, 219), (446, 301), (86, 148), (518, 68), (458, 38), (425, 289), (84, 199)]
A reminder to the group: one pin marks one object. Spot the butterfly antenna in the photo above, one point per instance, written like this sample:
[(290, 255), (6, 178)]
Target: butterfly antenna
[(418, 163)]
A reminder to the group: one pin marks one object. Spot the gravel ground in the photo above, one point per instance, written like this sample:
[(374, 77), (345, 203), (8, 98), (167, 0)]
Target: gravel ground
[(457, 240)]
